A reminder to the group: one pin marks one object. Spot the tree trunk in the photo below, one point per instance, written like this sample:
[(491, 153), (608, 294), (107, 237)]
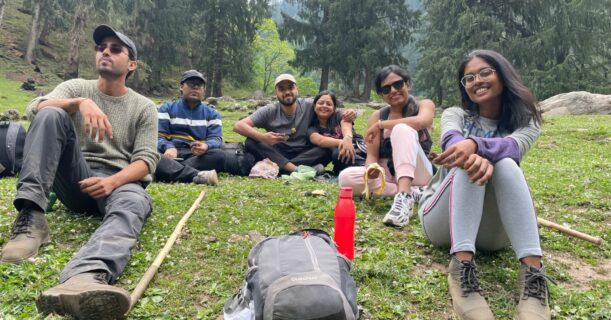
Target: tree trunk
[(356, 83), (45, 31), (29, 52), (76, 36), (440, 94), (368, 84), (217, 77), (2, 5), (324, 78)]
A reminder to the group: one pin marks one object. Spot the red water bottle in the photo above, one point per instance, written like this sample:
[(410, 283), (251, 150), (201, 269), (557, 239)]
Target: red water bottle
[(345, 215)]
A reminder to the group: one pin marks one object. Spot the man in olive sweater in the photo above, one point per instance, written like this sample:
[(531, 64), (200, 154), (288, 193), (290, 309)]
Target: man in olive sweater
[(94, 143)]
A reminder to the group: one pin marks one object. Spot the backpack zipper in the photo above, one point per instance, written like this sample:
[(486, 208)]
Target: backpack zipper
[(311, 251)]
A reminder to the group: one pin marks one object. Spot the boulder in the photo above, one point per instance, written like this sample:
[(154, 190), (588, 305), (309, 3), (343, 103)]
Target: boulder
[(29, 85), (10, 115), (375, 105), (212, 101), (576, 103), (258, 95)]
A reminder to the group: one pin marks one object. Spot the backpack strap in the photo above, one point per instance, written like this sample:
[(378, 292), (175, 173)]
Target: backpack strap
[(384, 113), (11, 145)]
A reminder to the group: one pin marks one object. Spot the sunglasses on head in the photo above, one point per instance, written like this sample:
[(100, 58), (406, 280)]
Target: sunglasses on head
[(114, 48), (397, 85)]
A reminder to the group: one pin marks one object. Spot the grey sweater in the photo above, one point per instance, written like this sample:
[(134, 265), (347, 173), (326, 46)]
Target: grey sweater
[(134, 124)]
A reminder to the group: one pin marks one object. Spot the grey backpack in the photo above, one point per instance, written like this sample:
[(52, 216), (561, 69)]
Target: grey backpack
[(12, 141), (296, 276)]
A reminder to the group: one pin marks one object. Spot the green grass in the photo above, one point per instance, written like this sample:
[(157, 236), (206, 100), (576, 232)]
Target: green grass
[(9, 100), (399, 274)]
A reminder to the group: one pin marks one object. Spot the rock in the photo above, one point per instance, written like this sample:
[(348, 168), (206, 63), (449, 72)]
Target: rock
[(375, 105), (576, 103), (226, 99), (10, 115), (213, 101), (258, 95), (29, 85)]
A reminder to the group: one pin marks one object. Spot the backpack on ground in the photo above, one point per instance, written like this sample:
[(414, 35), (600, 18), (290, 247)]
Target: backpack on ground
[(237, 160), (296, 276), (12, 140)]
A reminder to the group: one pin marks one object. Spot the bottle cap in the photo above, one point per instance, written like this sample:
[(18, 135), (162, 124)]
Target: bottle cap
[(345, 192)]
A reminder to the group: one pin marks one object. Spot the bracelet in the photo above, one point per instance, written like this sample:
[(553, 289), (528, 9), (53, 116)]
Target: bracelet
[(348, 136), (380, 124)]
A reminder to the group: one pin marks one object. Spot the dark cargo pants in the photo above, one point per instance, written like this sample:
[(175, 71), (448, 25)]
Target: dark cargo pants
[(52, 158), (308, 155), (170, 170)]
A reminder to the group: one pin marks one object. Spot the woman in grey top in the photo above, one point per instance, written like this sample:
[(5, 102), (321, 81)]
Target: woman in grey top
[(480, 199)]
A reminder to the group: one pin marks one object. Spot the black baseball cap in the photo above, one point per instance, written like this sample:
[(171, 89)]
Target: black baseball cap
[(189, 74), (103, 31)]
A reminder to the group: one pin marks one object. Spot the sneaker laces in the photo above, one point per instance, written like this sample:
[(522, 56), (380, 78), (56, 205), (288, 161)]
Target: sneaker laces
[(469, 281), (401, 201), (23, 224), (535, 284), (100, 277)]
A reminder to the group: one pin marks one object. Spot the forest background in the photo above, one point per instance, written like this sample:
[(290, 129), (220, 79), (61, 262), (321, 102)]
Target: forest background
[(240, 46), (558, 46)]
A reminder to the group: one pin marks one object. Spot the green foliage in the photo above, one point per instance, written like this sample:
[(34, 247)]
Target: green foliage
[(350, 37), (271, 55), (9, 99), (558, 46)]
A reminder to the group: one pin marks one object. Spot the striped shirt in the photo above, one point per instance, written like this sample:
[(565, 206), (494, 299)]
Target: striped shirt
[(179, 125)]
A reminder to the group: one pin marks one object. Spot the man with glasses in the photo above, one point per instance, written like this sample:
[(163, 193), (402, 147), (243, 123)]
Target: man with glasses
[(93, 143), (190, 136), (286, 122)]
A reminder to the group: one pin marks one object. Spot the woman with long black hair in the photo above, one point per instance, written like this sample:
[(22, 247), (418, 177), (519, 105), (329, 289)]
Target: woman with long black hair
[(480, 199)]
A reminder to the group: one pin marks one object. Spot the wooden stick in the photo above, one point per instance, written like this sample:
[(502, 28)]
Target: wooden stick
[(152, 270), (570, 232)]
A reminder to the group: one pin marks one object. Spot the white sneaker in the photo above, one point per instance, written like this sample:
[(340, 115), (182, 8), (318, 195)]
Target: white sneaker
[(401, 210)]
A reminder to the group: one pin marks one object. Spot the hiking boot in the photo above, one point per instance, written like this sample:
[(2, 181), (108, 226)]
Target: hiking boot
[(85, 296), (29, 232), (534, 296), (467, 299), (206, 177), (401, 210), (320, 169)]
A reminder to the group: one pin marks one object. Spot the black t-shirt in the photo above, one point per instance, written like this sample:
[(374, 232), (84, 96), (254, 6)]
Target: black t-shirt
[(333, 129)]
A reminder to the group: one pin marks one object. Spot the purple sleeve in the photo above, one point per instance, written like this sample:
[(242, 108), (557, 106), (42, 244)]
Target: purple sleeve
[(495, 149), (451, 137)]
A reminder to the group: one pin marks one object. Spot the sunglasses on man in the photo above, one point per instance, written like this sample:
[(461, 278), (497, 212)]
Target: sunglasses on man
[(114, 48), (397, 85)]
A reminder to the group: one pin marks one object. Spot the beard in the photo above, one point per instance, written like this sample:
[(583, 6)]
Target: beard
[(287, 100), (105, 72)]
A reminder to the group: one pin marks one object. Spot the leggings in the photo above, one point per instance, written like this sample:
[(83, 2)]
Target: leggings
[(466, 216)]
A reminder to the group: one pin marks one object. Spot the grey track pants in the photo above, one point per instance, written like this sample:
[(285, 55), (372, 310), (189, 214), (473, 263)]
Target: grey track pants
[(464, 216), (52, 157)]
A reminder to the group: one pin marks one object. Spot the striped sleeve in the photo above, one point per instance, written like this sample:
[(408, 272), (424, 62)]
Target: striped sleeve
[(214, 136), (164, 129)]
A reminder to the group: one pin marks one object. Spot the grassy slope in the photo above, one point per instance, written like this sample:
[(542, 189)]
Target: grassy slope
[(399, 274)]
